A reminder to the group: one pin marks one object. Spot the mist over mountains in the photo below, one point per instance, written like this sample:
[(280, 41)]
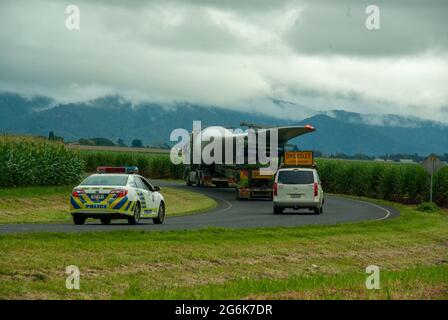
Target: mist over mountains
[(114, 118)]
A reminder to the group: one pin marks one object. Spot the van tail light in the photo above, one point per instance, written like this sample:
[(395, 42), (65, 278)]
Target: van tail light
[(77, 192), (275, 188), (316, 189), (119, 192)]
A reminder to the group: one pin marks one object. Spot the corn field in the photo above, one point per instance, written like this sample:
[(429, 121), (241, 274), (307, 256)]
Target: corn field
[(404, 183), (149, 164), (37, 162), (27, 161)]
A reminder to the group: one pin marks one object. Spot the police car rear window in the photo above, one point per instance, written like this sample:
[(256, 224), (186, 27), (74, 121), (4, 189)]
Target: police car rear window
[(295, 177), (104, 180)]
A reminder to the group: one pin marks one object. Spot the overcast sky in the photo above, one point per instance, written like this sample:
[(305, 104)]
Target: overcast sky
[(233, 53)]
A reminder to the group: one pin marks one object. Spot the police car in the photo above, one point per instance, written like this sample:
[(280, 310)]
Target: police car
[(117, 193)]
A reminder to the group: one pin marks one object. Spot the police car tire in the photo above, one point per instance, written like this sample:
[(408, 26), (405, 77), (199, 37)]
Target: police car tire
[(161, 215), (78, 220), (135, 219), (105, 220)]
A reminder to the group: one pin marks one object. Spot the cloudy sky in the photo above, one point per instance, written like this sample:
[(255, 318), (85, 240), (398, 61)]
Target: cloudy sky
[(240, 54)]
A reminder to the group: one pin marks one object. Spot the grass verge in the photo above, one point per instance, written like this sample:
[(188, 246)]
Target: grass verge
[(50, 204), (308, 262)]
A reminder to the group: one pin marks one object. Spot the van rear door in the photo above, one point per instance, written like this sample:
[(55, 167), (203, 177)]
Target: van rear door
[(295, 185)]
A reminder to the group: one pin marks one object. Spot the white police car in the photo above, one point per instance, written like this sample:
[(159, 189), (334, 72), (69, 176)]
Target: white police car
[(117, 193)]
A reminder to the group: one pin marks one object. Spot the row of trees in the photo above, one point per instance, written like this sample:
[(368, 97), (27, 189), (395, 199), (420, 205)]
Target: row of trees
[(138, 143), (135, 143)]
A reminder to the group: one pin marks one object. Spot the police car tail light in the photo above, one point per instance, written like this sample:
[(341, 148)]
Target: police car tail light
[(119, 192), (77, 192)]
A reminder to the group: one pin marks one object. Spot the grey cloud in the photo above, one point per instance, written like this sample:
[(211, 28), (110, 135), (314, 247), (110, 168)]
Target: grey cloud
[(232, 53), (338, 27)]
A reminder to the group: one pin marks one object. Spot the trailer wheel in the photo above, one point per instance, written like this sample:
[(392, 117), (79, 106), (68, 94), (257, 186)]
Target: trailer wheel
[(188, 181)]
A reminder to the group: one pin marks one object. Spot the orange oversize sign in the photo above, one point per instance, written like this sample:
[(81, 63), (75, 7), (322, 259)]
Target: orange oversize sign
[(299, 158)]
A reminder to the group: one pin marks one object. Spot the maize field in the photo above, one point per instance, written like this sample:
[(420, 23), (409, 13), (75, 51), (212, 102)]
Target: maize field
[(29, 161)]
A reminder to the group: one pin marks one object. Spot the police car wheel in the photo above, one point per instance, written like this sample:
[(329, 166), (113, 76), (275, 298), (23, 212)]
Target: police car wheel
[(161, 215), (79, 219), (135, 219), (105, 220)]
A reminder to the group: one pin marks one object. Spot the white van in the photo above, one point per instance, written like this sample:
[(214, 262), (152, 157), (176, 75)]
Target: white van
[(298, 188)]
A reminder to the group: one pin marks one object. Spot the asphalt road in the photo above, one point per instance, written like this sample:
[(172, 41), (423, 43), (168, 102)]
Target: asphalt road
[(229, 213)]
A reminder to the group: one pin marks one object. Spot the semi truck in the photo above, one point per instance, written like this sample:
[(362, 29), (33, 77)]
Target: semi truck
[(252, 185), (245, 178)]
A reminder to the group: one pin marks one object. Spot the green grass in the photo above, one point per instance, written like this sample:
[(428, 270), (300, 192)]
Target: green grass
[(51, 204), (276, 263)]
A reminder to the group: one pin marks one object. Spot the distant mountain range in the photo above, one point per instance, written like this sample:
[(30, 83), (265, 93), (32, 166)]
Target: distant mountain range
[(115, 118)]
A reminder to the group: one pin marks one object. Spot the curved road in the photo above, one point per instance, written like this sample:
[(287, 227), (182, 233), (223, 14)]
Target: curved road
[(229, 213)]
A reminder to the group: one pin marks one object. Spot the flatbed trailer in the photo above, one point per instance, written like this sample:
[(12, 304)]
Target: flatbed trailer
[(210, 176), (252, 185)]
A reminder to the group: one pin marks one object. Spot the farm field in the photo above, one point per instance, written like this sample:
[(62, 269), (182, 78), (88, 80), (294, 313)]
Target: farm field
[(309, 262), (403, 183), (118, 149), (51, 204)]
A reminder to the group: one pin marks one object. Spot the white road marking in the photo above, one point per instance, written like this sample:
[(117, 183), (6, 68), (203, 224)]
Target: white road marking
[(388, 213)]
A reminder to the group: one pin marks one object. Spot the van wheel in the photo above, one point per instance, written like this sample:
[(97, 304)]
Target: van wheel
[(161, 215), (316, 210), (321, 209), (135, 219), (78, 220), (278, 210)]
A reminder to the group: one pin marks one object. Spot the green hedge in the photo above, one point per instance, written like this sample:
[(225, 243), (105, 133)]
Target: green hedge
[(150, 165), (404, 183), (27, 161)]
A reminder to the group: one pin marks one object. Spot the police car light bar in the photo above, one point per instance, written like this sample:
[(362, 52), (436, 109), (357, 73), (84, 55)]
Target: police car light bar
[(117, 170)]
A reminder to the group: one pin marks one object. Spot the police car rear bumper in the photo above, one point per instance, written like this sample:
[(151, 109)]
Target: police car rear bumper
[(113, 214)]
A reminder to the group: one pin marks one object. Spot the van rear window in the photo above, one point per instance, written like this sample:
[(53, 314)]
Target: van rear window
[(295, 177)]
